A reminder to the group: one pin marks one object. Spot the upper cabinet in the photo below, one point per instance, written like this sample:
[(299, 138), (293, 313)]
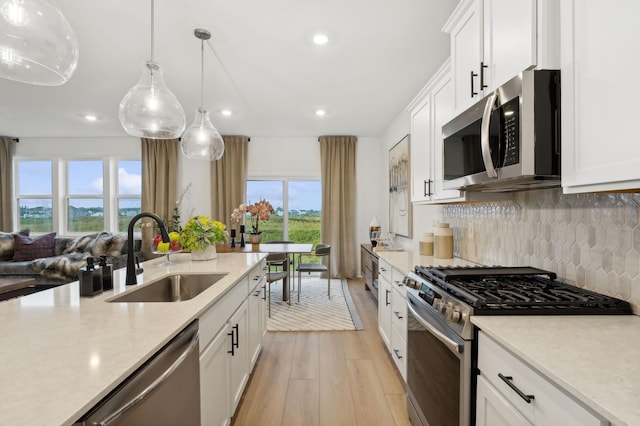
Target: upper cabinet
[(494, 40), (599, 62)]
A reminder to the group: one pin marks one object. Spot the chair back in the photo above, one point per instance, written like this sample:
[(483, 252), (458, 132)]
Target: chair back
[(323, 250), (276, 257)]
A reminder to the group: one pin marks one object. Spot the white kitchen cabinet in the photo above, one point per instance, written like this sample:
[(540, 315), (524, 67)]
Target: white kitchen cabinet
[(392, 314), (257, 316), (214, 381), (509, 392), (227, 348), (494, 40), (421, 158), (600, 150), (384, 308)]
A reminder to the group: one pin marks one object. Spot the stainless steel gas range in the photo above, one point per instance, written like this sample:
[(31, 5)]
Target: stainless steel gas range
[(441, 353)]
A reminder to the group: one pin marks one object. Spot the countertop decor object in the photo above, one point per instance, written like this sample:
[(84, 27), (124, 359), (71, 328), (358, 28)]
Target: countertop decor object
[(262, 210), (200, 235)]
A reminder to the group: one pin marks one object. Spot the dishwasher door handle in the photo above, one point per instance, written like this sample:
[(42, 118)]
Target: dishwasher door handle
[(157, 382)]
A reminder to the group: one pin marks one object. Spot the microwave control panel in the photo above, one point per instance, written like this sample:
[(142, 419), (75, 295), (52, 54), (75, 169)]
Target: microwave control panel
[(511, 132)]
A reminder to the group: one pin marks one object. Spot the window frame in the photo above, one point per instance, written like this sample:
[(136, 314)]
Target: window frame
[(60, 196)]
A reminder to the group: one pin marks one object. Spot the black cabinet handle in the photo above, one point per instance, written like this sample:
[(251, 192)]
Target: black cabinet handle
[(397, 314), (426, 194), (232, 351), (482, 67), (386, 297), (508, 381), (430, 193), (264, 292), (473, 75), (236, 328), (397, 352)]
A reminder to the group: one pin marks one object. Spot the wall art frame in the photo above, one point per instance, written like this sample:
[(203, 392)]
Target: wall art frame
[(400, 207)]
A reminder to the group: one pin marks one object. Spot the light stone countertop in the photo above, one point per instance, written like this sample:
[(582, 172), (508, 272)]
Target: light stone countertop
[(406, 261), (61, 354), (594, 358)]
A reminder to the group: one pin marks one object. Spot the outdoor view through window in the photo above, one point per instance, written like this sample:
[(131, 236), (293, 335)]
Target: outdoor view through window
[(297, 205)]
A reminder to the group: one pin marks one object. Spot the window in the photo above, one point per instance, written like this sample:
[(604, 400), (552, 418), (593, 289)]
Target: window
[(85, 196), (129, 195), (92, 194), (297, 204), (35, 195)]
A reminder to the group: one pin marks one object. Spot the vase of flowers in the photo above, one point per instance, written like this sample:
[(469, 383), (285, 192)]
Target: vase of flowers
[(260, 211), (200, 235)]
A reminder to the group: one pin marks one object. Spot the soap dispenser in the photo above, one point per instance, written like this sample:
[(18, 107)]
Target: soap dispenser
[(107, 273), (90, 281)]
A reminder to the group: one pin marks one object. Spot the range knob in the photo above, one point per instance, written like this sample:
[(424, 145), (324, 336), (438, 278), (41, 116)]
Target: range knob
[(453, 315)]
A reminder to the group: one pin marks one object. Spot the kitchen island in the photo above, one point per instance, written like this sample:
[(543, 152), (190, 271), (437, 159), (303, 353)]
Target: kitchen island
[(61, 354)]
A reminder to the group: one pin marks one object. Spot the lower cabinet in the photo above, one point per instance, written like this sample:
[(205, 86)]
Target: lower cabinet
[(509, 392), (392, 314), (231, 333)]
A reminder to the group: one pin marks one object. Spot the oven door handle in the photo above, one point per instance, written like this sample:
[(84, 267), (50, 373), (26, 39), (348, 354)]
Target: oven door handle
[(484, 135), (453, 346)]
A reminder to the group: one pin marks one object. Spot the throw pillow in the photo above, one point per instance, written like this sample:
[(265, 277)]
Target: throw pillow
[(6, 244), (26, 248)]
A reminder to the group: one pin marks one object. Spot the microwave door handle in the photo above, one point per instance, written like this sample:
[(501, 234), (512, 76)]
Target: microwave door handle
[(484, 136)]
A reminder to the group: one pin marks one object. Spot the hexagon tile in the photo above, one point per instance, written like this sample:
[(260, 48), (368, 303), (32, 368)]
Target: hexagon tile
[(589, 240)]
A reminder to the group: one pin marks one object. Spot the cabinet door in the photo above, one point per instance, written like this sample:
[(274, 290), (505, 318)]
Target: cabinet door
[(256, 312), (239, 360), (214, 381), (466, 55), (600, 148), (384, 310), (492, 409), (421, 183), (509, 29), (442, 100)]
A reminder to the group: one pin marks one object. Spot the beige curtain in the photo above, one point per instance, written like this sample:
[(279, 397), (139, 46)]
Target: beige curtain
[(338, 171), (6, 183), (159, 182), (229, 179)]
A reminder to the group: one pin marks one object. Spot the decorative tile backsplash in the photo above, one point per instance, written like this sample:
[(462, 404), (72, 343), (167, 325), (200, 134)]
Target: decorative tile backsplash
[(589, 240)]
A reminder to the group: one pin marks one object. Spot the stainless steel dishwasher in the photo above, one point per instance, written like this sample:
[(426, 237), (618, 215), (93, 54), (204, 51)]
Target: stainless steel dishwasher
[(164, 391)]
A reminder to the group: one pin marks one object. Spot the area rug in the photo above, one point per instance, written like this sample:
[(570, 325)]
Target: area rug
[(315, 312)]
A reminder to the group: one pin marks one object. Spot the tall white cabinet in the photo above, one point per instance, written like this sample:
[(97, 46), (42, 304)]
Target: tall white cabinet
[(600, 57), (494, 40)]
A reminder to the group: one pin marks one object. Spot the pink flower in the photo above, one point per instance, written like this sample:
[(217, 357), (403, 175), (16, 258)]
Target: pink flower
[(261, 210)]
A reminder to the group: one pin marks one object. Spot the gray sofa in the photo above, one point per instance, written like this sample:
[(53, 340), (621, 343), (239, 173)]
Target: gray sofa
[(67, 256)]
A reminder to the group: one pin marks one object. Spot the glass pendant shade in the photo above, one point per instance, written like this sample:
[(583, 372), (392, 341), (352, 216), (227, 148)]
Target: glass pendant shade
[(37, 44), (201, 140), (150, 109)]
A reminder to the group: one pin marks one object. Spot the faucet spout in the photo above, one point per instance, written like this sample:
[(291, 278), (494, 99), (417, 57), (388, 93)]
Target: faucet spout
[(131, 269)]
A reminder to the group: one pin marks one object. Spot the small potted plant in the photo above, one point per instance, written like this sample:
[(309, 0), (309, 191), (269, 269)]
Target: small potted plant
[(261, 210), (200, 235)]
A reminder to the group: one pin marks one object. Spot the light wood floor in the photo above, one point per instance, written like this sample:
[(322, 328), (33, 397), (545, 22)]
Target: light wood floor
[(326, 378)]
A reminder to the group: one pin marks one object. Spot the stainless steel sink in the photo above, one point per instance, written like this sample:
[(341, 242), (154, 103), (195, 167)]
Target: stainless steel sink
[(172, 288)]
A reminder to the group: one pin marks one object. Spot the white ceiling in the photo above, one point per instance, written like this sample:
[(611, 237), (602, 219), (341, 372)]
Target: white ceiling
[(270, 74)]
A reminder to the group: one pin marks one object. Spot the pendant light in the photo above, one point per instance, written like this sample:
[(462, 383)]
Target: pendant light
[(37, 44), (149, 109), (201, 140)]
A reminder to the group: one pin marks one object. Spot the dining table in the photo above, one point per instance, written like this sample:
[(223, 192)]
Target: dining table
[(290, 248)]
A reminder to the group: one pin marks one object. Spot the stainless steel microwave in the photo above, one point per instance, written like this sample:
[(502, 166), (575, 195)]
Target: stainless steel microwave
[(508, 141)]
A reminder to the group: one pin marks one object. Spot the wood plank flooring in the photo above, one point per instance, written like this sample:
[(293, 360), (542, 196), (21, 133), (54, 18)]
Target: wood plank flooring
[(326, 378)]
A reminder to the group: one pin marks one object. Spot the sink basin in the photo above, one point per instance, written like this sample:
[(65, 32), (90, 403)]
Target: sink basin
[(172, 288)]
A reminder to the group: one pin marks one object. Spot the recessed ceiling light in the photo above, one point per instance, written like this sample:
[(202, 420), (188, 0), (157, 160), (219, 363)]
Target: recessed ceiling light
[(90, 117), (321, 112), (226, 112), (320, 39)]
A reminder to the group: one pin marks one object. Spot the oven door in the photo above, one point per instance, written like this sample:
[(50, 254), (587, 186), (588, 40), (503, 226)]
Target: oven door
[(438, 369)]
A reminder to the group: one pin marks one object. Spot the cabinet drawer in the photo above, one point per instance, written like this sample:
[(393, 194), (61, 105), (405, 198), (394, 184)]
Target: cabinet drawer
[(549, 404), (217, 315), (399, 351), (397, 281), (399, 312), (384, 269)]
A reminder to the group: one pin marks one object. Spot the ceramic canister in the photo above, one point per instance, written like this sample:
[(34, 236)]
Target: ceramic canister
[(443, 241)]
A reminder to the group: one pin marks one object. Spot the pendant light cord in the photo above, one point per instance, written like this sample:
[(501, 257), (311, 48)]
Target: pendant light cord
[(201, 74), (152, 15)]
